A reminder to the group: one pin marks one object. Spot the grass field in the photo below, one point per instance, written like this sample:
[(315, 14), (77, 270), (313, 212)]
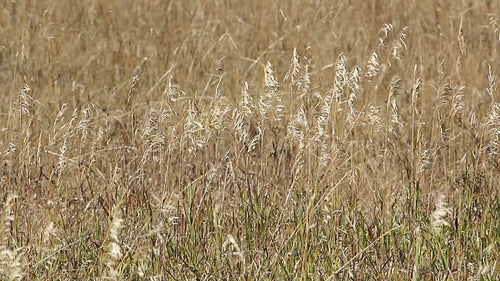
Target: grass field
[(249, 140)]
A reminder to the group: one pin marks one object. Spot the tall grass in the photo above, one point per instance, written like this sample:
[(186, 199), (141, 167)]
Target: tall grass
[(208, 140)]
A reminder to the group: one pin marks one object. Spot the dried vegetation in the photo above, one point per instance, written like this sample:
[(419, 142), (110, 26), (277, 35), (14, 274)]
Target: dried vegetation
[(249, 140)]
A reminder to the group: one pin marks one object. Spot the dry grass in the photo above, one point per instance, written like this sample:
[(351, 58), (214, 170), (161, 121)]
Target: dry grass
[(209, 140)]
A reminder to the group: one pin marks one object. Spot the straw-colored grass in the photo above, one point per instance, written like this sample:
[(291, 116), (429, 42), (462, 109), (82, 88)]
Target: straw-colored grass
[(249, 140)]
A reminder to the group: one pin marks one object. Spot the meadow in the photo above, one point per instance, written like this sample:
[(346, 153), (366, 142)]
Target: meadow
[(249, 140)]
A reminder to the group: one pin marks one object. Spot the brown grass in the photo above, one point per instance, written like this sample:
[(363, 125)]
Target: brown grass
[(249, 140)]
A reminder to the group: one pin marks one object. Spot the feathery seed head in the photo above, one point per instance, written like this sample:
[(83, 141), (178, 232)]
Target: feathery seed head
[(438, 216)]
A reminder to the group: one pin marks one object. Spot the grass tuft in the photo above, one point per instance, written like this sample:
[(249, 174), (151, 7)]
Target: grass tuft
[(220, 140)]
